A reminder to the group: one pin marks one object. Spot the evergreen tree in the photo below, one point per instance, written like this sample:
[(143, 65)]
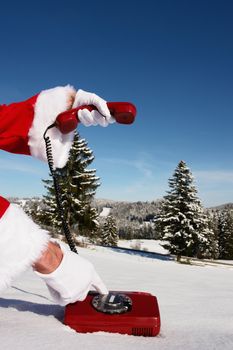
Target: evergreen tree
[(182, 221), (158, 222), (225, 234), (109, 236), (209, 248), (78, 185), (50, 216), (213, 219)]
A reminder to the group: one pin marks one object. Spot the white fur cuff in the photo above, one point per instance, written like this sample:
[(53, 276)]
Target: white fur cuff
[(49, 104), (22, 242)]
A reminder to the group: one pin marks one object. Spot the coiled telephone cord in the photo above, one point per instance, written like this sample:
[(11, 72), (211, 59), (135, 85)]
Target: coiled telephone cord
[(61, 212)]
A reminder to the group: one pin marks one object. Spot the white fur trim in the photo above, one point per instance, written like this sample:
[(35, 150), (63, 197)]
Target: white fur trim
[(22, 242), (49, 104)]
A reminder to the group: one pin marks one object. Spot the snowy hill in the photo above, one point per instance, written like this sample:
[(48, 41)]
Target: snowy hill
[(150, 245), (105, 212), (223, 206), (195, 304)]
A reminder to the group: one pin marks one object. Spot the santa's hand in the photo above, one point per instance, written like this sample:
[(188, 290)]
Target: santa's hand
[(73, 279), (101, 116)]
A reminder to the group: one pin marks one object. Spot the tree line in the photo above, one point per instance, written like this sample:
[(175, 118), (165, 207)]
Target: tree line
[(179, 219)]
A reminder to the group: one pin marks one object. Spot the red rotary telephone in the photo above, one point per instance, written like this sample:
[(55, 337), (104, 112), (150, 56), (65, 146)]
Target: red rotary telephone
[(123, 112)]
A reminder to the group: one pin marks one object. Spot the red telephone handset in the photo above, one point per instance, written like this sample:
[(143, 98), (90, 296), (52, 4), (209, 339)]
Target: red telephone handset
[(123, 112)]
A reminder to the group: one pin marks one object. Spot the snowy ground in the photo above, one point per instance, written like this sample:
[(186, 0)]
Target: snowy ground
[(196, 305), (143, 244)]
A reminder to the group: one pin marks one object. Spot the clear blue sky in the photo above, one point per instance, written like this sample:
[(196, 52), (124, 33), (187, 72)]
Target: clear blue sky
[(173, 59)]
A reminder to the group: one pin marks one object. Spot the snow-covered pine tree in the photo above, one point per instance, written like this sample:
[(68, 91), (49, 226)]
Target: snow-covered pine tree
[(36, 211), (109, 236), (225, 234), (49, 216), (209, 248), (182, 220), (159, 221), (78, 185), (213, 219)]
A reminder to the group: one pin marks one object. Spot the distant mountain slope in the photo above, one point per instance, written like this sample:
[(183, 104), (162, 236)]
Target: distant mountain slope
[(222, 206)]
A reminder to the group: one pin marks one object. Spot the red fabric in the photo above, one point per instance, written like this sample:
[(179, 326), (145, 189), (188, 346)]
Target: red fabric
[(4, 204), (15, 122)]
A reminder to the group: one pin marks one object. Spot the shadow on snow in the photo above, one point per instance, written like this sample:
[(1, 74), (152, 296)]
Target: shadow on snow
[(145, 254), (40, 309)]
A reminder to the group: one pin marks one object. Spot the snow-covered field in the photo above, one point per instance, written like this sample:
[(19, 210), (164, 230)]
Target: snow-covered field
[(143, 244), (196, 306)]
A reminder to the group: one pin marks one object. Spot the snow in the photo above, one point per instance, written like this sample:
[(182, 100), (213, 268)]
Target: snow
[(195, 305), (150, 245), (105, 212)]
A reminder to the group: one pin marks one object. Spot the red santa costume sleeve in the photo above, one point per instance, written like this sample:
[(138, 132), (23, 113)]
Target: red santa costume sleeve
[(23, 124), (21, 131)]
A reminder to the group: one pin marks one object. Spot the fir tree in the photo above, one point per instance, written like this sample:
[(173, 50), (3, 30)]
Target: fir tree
[(78, 185), (109, 236), (158, 222), (209, 248), (225, 234), (213, 219), (182, 221)]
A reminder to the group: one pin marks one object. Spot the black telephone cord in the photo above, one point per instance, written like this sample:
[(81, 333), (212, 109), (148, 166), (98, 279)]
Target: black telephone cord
[(60, 208)]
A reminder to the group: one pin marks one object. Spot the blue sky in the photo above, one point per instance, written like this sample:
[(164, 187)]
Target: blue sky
[(172, 59)]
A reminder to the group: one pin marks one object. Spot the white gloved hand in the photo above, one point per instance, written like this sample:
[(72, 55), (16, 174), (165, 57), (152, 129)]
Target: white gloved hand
[(73, 279), (101, 116)]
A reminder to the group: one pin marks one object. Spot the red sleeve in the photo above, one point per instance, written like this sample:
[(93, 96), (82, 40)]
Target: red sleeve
[(4, 204), (22, 125), (15, 122)]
